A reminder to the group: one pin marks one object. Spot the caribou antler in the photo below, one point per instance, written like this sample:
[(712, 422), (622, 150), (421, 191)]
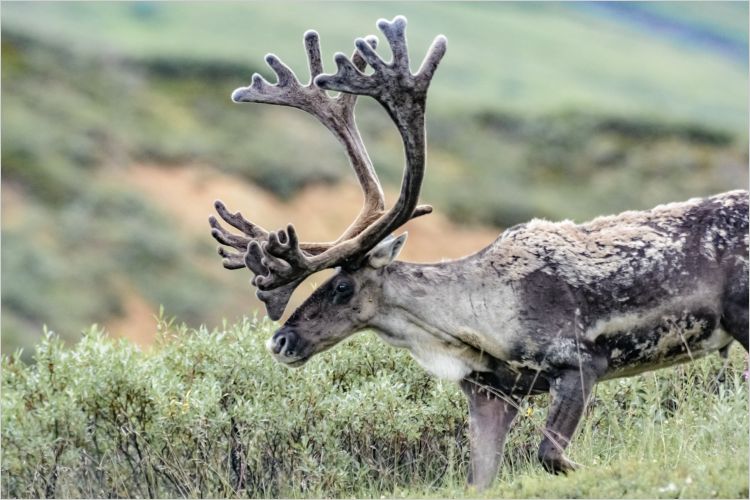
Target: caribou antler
[(278, 260), (337, 114)]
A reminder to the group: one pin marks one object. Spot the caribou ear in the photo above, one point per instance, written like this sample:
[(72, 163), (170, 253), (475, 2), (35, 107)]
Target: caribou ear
[(386, 251)]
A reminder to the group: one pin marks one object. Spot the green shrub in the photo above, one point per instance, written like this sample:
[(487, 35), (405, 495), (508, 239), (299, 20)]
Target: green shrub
[(209, 413)]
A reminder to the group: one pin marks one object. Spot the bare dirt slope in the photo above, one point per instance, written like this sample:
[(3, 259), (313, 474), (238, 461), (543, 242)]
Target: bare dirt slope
[(319, 212)]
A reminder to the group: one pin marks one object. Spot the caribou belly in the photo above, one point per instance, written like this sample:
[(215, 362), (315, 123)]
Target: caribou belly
[(635, 343)]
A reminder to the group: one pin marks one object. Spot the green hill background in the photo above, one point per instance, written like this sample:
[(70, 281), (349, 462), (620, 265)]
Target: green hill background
[(117, 131)]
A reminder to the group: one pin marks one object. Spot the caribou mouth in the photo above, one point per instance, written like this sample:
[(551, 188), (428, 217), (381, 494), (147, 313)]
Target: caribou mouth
[(294, 362)]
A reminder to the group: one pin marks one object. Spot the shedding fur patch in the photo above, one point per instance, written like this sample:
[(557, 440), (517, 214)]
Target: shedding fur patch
[(613, 247), (628, 322)]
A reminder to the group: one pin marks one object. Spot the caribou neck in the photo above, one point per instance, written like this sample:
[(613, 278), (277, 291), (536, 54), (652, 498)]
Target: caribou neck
[(450, 328)]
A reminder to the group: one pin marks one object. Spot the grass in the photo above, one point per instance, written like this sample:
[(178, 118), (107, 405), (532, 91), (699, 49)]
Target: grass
[(208, 413), (553, 110)]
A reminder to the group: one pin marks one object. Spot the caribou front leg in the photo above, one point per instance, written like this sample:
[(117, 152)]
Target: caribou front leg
[(490, 418), (570, 391)]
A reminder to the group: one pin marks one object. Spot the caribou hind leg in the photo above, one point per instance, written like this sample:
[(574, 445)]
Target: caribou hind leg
[(570, 391)]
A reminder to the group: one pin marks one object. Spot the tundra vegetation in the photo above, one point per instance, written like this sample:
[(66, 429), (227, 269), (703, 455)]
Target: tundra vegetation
[(622, 117), (90, 90), (210, 414)]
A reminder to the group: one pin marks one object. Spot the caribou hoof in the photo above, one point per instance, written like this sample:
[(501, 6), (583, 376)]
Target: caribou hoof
[(555, 462)]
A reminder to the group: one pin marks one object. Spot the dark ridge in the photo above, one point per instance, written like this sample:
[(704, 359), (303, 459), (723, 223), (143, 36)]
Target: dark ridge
[(198, 69), (642, 129), (160, 66), (498, 121)]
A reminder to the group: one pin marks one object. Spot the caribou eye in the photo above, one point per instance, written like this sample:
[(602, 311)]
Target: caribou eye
[(342, 293)]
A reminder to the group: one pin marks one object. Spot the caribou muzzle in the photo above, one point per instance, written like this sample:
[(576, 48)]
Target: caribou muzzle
[(287, 347)]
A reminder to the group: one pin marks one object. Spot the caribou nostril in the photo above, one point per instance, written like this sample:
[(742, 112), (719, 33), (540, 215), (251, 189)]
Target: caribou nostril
[(279, 344)]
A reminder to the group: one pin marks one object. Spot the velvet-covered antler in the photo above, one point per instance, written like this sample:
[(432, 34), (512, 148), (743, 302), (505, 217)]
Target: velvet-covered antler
[(278, 260)]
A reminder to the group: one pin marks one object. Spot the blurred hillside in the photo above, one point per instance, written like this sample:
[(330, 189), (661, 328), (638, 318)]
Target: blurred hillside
[(118, 133)]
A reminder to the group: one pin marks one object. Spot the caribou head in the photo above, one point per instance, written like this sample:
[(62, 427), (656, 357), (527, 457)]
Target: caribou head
[(278, 260), (344, 304)]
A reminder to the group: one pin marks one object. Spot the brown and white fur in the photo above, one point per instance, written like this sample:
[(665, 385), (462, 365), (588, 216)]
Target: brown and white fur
[(547, 307)]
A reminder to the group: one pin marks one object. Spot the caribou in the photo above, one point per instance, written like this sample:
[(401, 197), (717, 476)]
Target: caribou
[(547, 307)]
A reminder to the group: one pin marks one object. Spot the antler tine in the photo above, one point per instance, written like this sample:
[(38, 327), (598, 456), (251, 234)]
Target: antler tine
[(395, 33), (314, 61), (348, 100), (260, 90), (234, 260), (254, 259), (239, 242), (237, 221), (276, 299)]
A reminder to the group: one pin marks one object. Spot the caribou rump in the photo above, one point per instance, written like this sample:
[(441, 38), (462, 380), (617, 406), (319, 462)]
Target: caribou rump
[(547, 307)]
